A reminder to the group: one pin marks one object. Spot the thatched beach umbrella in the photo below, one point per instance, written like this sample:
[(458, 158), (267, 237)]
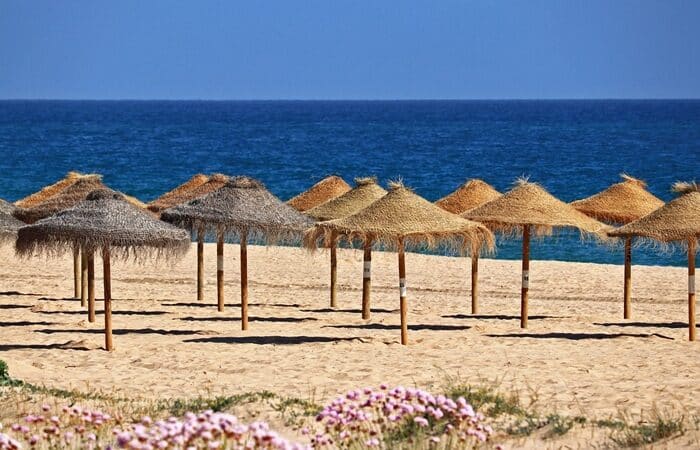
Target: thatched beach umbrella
[(470, 195), (71, 195), (365, 192), (105, 222), (621, 203), (197, 186), (44, 195), (678, 221), (7, 207), (242, 207), (529, 208), (326, 189), (400, 219)]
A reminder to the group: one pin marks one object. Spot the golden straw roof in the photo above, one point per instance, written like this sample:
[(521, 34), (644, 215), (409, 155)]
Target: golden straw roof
[(622, 202), (67, 198), (401, 214), (51, 190), (365, 192), (176, 196), (677, 220), (530, 204), (321, 192), (468, 196)]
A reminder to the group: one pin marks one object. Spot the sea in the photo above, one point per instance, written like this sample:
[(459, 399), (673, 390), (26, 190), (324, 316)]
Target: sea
[(573, 148)]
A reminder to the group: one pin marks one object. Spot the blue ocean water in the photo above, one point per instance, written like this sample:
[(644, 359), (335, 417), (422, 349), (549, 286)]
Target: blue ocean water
[(573, 148)]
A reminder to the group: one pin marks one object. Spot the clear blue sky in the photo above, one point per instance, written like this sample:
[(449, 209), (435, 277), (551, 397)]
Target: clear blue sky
[(349, 49)]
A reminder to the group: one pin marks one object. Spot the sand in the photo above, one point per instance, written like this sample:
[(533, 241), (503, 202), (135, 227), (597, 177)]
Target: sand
[(578, 355)]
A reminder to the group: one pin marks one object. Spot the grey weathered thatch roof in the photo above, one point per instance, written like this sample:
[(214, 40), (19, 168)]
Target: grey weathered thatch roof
[(104, 218), (70, 196), (241, 205), (7, 207), (8, 227)]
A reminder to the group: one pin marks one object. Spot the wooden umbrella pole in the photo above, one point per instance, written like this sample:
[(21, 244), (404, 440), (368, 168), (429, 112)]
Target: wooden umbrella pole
[(402, 294), (91, 286), (628, 278), (76, 272), (108, 299), (220, 270), (366, 280), (334, 272), (526, 276), (244, 280), (200, 265), (691, 289), (83, 278), (475, 282)]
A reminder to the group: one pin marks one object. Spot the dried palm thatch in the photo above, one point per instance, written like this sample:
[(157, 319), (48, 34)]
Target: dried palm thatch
[(67, 198), (245, 208), (365, 192), (7, 207), (620, 203), (103, 219), (401, 215), (676, 221), (179, 194), (53, 189), (8, 227), (326, 189), (530, 204), (104, 222), (529, 207), (398, 219), (468, 196)]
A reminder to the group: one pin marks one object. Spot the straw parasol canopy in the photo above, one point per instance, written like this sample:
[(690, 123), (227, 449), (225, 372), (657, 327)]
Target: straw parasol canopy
[(468, 196), (103, 221), (399, 219), (7, 207), (365, 192), (70, 196), (53, 189), (621, 203), (180, 194), (326, 189), (678, 221), (529, 207), (243, 207)]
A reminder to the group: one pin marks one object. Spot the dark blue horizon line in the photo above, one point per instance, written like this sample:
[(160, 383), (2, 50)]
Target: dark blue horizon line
[(592, 99)]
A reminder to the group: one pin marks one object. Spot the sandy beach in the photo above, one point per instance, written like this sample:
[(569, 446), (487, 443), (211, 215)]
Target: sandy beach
[(577, 356)]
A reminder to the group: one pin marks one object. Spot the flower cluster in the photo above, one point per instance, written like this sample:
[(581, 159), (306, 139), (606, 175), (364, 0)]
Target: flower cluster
[(72, 427), (205, 430), (373, 417)]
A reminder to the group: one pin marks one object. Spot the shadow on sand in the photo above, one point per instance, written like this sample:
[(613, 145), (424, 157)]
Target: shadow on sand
[(114, 312), (271, 340), (250, 319), (645, 324), (352, 311), (126, 331), (18, 293), (414, 327), (13, 306), (7, 347), (578, 336), (24, 323), (230, 305), (495, 317)]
